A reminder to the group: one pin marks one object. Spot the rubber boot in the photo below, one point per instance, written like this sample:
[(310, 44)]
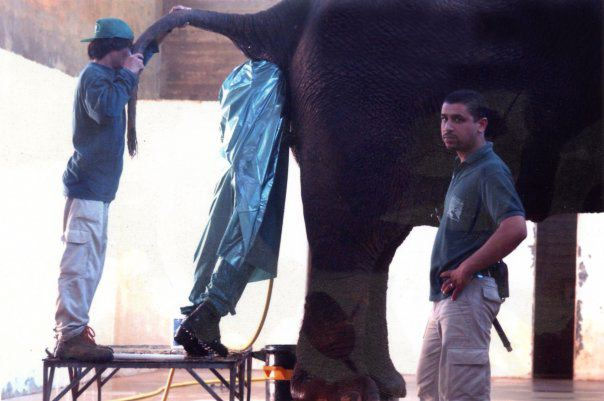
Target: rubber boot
[(199, 333)]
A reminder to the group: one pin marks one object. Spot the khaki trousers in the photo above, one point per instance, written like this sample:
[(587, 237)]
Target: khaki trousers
[(85, 239), (454, 362)]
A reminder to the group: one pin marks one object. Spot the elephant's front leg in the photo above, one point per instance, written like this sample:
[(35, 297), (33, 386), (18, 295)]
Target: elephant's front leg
[(330, 353)]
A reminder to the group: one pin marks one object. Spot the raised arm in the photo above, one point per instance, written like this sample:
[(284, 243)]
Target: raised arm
[(105, 98)]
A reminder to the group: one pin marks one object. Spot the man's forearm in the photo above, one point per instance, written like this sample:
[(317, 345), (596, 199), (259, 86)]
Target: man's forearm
[(510, 233)]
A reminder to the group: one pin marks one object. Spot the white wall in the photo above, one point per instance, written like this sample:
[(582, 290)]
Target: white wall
[(34, 138), (155, 224), (589, 311)]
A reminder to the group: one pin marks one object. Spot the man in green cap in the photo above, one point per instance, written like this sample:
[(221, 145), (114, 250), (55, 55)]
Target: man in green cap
[(91, 180)]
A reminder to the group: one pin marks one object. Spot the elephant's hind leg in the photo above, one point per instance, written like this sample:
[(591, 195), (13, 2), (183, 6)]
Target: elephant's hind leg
[(336, 359), (330, 363)]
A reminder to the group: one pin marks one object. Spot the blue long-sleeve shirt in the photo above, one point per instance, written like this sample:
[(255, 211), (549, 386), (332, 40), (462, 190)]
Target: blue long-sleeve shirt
[(99, 122)]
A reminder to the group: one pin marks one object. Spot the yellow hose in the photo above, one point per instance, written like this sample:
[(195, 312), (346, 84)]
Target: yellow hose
[(269, 293), (176, 385), (168, 385), (166, 389)]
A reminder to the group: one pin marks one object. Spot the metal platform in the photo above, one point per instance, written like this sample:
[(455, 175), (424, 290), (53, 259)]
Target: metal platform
[(239, 366)]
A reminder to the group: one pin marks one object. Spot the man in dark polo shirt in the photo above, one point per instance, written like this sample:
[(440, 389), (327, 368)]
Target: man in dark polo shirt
[(483, 221)]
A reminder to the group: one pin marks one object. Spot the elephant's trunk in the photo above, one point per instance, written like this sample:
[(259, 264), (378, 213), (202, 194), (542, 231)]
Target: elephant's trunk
[(159, 29), (270, 35)]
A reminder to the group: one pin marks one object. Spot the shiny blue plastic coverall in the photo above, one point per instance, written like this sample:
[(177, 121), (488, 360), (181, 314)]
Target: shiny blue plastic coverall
[(240, 243)]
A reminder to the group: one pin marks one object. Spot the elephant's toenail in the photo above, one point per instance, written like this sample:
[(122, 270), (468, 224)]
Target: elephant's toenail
[(351, 396)]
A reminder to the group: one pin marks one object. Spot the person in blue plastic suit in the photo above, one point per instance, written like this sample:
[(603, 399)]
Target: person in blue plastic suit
[(240, 243), (91, 180)]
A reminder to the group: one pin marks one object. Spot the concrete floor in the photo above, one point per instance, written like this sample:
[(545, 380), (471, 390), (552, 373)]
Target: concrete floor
[(502, 389)]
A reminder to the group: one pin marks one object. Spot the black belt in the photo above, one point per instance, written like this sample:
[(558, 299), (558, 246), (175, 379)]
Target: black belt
[(488, 272)]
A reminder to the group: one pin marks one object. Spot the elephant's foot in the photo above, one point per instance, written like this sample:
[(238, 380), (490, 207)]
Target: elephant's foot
[(305, 387), (329, 353), (199, 333), (391, 385), (381, 369)]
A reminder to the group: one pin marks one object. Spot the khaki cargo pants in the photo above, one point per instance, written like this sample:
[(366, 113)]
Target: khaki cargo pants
[(454, 361), (85, 238)]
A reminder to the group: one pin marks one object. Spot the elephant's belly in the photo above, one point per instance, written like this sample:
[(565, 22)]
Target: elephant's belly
[(355, 117)]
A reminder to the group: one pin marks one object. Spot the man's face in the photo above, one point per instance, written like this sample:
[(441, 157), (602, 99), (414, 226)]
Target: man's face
[(458, 129), (118, 57)]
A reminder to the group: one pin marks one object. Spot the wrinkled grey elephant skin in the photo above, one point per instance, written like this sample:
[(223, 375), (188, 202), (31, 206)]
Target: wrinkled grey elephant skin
[(365, 83)]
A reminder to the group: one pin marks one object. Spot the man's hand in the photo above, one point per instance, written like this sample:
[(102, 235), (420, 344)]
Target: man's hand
[(134, 63), (455, 280), (180, 8)]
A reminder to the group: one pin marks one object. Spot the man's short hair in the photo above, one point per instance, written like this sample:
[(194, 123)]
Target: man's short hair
[(99, 48), (474, 102)]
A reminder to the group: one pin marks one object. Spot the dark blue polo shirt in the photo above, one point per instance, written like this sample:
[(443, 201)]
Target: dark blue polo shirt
[(480, 196), (99, 122)]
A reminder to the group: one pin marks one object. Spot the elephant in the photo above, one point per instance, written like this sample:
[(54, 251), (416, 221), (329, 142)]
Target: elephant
[(365, 82)]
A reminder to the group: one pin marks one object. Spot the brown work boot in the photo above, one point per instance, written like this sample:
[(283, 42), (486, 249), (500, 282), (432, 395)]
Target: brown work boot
[(83, 348)]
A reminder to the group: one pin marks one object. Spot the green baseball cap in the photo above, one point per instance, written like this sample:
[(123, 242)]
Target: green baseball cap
[(110, 28)]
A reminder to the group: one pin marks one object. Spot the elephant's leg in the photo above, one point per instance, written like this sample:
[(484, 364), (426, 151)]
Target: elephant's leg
[(330, 363), (376, 352), (333, 348)]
